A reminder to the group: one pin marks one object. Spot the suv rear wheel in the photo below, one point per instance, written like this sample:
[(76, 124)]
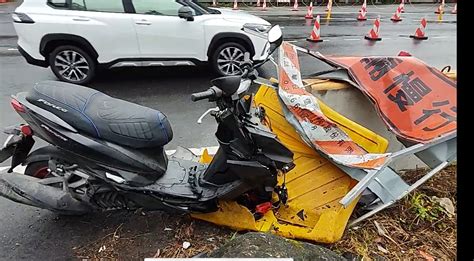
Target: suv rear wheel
[(227, 58), (71, 64)]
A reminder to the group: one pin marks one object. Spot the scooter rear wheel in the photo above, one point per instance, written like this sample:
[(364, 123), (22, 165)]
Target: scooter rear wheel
[(37, 169)]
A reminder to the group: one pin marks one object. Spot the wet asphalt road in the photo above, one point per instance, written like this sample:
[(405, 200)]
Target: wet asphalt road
[(29, 233)]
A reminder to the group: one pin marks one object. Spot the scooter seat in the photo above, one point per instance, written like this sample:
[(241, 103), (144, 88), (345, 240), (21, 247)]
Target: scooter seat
[(102, 116)]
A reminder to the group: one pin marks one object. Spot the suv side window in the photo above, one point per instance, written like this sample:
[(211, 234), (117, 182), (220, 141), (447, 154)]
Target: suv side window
[(154, 7), (111, 6)]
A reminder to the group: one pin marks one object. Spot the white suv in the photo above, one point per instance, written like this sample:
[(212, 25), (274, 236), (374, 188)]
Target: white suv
[(76, 37)]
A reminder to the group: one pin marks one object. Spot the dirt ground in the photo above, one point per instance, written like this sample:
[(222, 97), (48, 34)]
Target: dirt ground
[(153, 234), (417, 227)]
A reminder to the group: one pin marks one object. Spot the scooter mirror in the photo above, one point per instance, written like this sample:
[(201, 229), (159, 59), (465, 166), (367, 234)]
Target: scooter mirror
[(274, 34), (228, 84)]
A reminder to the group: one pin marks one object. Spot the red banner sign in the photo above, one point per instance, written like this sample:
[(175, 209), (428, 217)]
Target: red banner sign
[(416, 101)]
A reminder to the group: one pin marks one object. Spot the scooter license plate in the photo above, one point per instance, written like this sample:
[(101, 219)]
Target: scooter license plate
[(18, 147)]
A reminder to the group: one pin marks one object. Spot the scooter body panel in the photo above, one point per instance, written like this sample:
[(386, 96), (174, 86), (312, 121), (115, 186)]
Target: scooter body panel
[(241, 164)]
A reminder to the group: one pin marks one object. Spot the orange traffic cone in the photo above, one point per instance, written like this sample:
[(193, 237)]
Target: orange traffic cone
[(373, 34), (420, 31), (455, 10), (403, 53), (363, 12), (329, 6), (402, 6), (440, 9), (295, 6), (236, 6), (316, 32), (396, 16), (264, 5), (309, 14)]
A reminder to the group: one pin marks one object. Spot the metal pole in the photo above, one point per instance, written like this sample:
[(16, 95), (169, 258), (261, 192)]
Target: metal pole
[(371, 174), (410, 189)]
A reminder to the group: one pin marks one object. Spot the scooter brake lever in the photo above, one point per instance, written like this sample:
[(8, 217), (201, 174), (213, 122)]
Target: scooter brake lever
[(216, 109)]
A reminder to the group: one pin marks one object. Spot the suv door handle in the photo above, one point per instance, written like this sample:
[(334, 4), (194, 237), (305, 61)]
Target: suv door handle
[(143, 22), (81, 19)]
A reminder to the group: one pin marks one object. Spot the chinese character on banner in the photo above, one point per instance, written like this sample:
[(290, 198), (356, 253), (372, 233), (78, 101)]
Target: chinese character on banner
[(379, 66), (443, 111), (410, 92)]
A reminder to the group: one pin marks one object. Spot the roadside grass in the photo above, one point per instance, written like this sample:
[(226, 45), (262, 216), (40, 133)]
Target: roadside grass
[(416, 228)]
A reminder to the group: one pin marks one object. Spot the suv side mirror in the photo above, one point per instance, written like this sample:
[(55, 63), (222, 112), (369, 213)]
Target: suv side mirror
[(186, 12), (275, 38)]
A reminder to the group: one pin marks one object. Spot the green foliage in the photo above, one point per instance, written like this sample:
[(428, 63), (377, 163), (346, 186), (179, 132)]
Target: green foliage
[(425, 208)]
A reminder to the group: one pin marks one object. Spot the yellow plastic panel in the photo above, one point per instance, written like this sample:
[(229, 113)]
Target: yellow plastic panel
[(366, 138), (325, 85), (452, 75), (230, 214), (205, 157)]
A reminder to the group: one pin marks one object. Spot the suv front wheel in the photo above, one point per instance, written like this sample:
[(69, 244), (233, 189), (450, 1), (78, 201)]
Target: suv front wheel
[(71, 64), (227, 58)]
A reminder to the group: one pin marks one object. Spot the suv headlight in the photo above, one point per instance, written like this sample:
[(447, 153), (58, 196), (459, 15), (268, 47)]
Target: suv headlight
[(260, 29)]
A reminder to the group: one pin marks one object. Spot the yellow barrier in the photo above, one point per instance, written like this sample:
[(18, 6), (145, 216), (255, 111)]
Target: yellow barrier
[(315, 185)]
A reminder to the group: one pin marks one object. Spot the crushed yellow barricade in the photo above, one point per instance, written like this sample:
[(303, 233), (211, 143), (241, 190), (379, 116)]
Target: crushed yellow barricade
[(315, 185)]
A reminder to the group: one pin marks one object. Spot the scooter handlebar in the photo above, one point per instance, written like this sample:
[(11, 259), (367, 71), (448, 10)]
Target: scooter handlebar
[(203, 95)]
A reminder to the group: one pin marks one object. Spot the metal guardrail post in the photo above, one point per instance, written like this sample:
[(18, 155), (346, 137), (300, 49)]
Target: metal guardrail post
[(410, 189), (371, 174)]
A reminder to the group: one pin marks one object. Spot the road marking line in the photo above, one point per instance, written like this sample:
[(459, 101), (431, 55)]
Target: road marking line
[(356, 12), (338, 19), (212, 150), (12, 49), (19, 169), (356, 39)]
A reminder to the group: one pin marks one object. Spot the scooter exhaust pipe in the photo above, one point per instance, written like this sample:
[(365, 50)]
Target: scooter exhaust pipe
[(27, 190), (6, 191)]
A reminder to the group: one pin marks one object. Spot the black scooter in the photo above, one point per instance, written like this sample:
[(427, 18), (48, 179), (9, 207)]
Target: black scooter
[(108, 154)]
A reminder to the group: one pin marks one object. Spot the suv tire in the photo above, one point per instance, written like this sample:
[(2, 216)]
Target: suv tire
[(72, 64), (227, 58)]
